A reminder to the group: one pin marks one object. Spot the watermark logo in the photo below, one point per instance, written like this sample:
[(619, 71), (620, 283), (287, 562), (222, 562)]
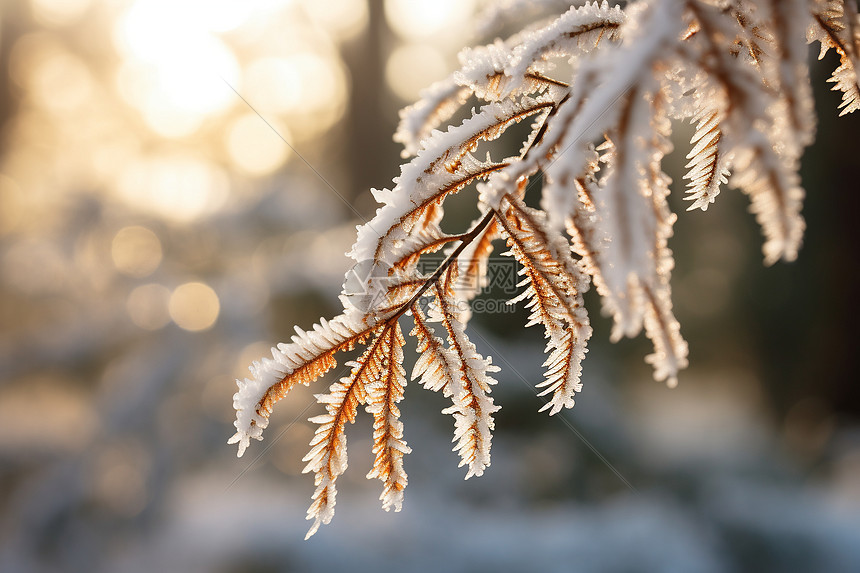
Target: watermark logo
[(367, 284), (496, 275)]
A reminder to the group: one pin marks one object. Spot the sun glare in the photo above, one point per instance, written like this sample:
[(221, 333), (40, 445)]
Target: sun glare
[(176, 66), (412, 19)]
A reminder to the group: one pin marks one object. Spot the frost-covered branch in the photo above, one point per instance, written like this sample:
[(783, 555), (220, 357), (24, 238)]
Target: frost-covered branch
[(599, 86)]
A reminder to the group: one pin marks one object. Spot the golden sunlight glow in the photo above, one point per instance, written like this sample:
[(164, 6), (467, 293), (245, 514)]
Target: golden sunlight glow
[(147, 306), (194, 306), (136, 251), (177, 187), (254, 147), (412, 19), (413, 67)]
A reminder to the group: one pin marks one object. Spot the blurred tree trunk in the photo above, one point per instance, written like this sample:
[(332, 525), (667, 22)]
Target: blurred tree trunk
[(371, 153)]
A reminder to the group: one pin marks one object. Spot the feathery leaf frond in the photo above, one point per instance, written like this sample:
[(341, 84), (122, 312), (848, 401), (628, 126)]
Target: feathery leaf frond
[(554, 292)]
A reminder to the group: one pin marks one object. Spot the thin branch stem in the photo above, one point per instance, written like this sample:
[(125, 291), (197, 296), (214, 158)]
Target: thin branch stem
[(465, 241)]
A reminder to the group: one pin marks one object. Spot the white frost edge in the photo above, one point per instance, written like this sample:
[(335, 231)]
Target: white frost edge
[(285, 359)]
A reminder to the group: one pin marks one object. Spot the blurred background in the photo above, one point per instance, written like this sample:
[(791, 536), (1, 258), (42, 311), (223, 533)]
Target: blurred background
[(157, 235)]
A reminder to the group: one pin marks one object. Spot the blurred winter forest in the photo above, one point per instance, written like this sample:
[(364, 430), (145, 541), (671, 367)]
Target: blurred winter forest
[(157, 235)]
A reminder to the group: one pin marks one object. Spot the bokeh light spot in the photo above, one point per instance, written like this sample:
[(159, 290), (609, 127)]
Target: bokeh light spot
[(177, 187), (29, 52), (254, 147), (147, 306), (194, 306), (274, 84), (61, 82), (344, 19), (309, 89), (412, 19), (412, 67), (136, 251)]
